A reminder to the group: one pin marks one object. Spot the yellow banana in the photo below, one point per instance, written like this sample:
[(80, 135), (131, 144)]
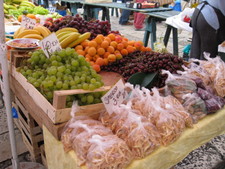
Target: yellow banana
[(47, 30), (33, 36), (63, 33), (27, 32), (80, 39), (21, 29), (42, 30), (72, 37), (64, 37), (66, 29)]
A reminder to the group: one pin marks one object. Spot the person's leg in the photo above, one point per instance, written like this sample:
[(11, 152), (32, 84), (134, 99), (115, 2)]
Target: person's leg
[(139, 19), (124, 17)]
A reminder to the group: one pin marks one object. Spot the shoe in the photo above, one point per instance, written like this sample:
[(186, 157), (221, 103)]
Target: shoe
[(142, 29), (128, 23)]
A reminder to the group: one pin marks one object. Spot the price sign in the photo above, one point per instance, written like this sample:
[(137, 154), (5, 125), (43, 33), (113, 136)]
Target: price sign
[(28, 23), (115, 96), (50, 44), (52, 9)]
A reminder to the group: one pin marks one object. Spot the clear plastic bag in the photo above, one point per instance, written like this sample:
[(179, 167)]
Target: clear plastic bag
[(179, 86), (140, 135), (108, 152), (195, 106)]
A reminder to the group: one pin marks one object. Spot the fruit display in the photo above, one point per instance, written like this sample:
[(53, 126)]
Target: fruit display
[(147, 62), (70, 37), (38, 32), (64, 70), (106, 49), (22, 7), (95, 27)]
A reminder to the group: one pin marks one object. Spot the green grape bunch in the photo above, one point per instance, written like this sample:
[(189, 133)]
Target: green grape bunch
[(64, 70)]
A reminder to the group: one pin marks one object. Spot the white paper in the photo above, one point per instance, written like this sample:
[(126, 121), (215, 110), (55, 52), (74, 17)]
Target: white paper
[(28, 23), (50, 44), (114, 97)]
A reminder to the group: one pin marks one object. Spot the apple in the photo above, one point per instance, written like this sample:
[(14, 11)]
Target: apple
[(49, 19)]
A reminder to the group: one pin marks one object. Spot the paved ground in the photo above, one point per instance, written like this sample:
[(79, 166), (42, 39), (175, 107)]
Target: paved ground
[(205, 157)]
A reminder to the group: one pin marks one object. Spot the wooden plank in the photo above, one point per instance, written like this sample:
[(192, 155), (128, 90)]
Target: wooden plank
[(43, 156), (59, 99), (36, 112)]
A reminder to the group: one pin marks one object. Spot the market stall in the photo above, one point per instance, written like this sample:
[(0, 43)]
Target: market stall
[(179, 106)]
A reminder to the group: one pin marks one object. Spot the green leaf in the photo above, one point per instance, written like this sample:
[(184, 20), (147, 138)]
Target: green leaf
[(143, 79)]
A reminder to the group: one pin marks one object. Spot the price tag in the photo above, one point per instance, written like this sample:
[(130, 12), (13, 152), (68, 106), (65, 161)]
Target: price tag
[(28, 23), (115, 96), (50, 44), (52, 9)]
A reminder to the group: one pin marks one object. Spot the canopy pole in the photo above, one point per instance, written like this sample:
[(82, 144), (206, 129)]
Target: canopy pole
[(6, 91)]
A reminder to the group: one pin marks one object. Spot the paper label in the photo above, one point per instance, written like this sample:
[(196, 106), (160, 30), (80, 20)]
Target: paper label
[(221, 48), (28, 23), (114, 97), (50, 44)]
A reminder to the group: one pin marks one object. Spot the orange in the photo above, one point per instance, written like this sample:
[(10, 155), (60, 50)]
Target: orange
[(116, 51), (92, 63), (96, 67), (32, 16), (118, 39), (100, 51), (125, 39), (81, 52), (148, 49), (142, 49), (92, 44), (78, 47), (84, 43), (99, 61), (131, 42), (124, 52), (100, 36), (87, 59), (20, 18), (108, 39), (91, 51), (98, 40), (110, 49), (112, 36), (118, 56), (112, 58), (113, 44), (120, 46), (86, 49), (106, 62), (130, 49), (105, 44), (138, 45), (124, 43), (106, 54)]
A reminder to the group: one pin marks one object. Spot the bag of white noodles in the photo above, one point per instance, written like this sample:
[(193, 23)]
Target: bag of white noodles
[(140, 135), (168, 115), (108, 152)]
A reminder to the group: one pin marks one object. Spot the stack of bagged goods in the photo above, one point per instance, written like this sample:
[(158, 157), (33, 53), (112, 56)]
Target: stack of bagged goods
[(95, 145)]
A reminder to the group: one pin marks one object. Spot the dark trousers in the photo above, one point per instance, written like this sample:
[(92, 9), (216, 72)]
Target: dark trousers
[(205, 38), (124, 16)]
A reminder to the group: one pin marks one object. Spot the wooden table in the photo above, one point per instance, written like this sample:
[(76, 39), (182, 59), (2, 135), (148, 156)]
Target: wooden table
[(153, 17)]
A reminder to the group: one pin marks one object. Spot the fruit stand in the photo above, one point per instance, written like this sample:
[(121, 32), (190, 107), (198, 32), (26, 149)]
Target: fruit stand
[(169, 107)]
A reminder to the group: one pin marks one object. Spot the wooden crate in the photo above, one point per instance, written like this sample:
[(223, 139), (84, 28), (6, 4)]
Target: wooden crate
[(53, 116), (43, 156), (31, 133)]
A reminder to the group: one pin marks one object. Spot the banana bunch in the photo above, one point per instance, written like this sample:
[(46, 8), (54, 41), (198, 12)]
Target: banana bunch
[(39, 32), (70, 37), (27, 4), (8, 7)]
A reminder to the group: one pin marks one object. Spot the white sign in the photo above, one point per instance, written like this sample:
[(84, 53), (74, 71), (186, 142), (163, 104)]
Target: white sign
[(115, 96), (50, 44), (28, 23)]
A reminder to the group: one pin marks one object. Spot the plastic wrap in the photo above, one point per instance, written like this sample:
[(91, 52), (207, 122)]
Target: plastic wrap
[(108, 152), (195, 106), (140, 135), (179, 85)]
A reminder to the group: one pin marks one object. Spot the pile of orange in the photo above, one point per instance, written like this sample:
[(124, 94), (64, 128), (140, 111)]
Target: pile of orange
[(32, 16), (105, 49)]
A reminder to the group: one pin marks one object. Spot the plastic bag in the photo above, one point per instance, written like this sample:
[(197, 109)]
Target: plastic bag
[(140, 135), (108, 152), (195, 106), (179, 85)]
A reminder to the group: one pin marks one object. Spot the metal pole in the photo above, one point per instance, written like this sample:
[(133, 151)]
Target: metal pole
[(6, 91)]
